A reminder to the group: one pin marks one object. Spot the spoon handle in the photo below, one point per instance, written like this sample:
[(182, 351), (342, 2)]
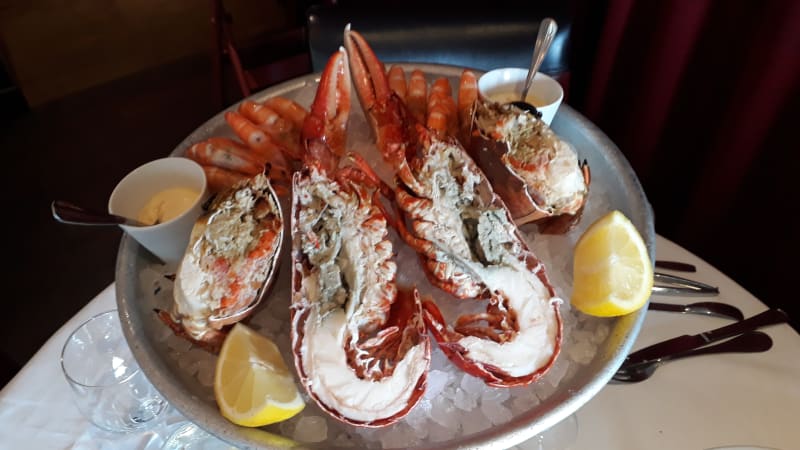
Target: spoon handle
[(547, 31), (66, 212)]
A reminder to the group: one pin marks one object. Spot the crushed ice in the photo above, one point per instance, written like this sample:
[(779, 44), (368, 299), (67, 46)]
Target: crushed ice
[(454, 404)]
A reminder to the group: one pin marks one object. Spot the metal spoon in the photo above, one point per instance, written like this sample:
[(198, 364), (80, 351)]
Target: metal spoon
[(66, 212), (547, 31), (747, 342)]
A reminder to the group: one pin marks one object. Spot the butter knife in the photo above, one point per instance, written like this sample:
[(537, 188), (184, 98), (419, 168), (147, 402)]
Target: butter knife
[(704, 308), (688, 342)]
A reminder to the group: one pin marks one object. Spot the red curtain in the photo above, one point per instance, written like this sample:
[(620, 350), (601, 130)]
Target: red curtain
[(702, 98)]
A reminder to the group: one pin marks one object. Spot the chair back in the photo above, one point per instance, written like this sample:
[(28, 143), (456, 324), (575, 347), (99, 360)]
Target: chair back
[(489, 38)]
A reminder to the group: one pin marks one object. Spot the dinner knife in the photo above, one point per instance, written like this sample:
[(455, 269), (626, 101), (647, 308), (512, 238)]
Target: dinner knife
[(706, 308), (687, 342)]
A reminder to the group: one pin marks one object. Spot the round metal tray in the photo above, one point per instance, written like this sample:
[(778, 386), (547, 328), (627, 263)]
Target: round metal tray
[(612, 178)]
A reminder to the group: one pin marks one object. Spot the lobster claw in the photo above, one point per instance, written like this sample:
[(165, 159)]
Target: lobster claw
[(368, 71), (325, 128), (388, 115)]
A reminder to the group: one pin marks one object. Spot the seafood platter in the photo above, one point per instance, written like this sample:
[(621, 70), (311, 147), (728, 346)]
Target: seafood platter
[(406, 243)]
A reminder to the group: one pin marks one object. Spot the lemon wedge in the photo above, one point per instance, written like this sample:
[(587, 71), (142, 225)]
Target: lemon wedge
[(252, 385), (612, 270)]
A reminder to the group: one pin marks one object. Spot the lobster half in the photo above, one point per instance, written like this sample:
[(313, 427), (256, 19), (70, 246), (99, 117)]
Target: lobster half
[(229, 265), (535, 172), (466, 238), (360, 344)]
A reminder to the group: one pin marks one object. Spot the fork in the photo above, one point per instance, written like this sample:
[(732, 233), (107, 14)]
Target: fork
[(665, 284)]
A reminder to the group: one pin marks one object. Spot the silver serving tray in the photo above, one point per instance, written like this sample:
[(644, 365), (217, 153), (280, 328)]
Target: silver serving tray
[(612, 176)]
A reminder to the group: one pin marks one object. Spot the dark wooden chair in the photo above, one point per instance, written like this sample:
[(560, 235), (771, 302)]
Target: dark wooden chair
[(265, 61)]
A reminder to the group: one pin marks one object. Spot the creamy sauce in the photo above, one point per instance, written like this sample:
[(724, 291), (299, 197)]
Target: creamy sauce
[(167, 205), (510, 96)]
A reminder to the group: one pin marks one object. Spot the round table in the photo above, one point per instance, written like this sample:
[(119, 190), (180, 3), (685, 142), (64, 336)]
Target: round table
[(697, 403)]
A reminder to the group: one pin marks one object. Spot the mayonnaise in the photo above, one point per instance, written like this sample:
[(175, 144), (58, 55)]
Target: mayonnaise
[(167, 204)]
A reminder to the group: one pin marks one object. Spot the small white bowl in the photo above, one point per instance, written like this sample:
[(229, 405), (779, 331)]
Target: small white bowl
[(505, 85), (166, 240)]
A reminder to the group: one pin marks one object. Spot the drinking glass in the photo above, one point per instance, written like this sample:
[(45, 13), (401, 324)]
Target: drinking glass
[(110, 389)]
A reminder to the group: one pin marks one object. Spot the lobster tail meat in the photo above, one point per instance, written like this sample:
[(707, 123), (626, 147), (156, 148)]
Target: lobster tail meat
[(481, 255), (360, 347), (360, 344)]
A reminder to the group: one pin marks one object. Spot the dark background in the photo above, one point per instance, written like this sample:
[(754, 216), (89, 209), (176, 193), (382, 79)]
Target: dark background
[(77, 142)]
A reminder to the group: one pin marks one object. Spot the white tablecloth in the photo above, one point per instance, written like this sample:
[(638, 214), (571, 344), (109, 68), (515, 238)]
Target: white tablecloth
[(698, 403)]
